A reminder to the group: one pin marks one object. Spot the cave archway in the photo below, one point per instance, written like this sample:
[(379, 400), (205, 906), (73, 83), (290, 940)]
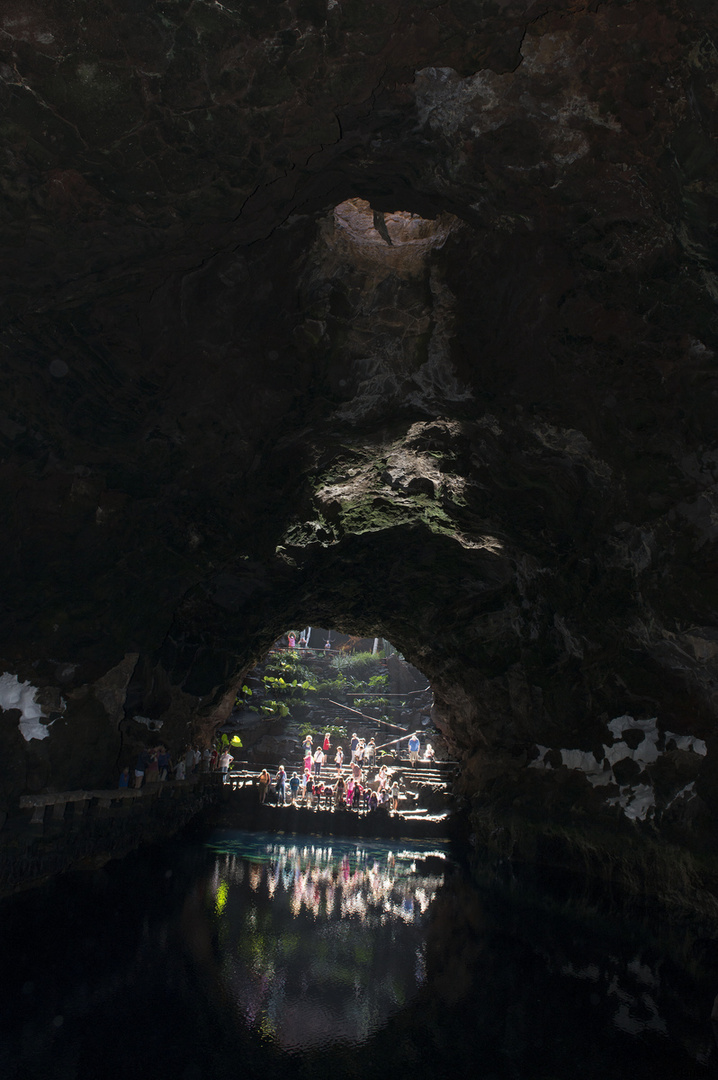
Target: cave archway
[(222, 410), (318, 681)]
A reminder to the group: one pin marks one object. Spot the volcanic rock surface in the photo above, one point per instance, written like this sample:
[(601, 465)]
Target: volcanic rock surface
[(397, 317)]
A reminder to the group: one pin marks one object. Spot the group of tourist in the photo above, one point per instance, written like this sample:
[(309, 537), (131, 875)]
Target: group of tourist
[(350, 794), (155, 764), (363, 755), (303, 642), (351, 791)]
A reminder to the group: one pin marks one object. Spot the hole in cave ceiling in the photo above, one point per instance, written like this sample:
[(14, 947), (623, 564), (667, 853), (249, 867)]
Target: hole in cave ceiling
[(357, 220)]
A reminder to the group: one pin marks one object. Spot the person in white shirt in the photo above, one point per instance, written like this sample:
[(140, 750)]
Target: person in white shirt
[(225, 760)]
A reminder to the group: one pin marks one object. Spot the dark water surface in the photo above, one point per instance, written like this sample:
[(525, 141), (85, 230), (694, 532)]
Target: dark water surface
[(258, 955)]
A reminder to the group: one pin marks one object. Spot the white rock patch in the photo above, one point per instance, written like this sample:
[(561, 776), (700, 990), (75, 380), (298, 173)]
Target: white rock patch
[(637, 802), (153, 725), (17, 695)]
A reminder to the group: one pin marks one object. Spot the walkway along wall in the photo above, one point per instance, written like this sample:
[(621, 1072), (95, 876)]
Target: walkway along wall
[(64, 830)]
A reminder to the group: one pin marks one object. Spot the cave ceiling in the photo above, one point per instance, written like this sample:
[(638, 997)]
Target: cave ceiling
[(389, 316)]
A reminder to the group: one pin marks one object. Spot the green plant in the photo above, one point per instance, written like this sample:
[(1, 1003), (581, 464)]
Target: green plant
[(371, 702), (361, 665), (287, 666), (239, 700), (335, 686), (273, 709)]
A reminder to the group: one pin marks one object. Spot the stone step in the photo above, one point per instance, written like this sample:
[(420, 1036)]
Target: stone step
[(425, 774)]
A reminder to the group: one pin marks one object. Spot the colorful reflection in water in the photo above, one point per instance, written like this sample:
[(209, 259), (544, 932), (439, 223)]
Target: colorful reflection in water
[(321, 943), (273, 957)]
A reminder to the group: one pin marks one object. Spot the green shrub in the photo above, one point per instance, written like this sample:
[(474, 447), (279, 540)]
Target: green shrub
[(287, 667), (362, 665), (293, 689), (334, 686)]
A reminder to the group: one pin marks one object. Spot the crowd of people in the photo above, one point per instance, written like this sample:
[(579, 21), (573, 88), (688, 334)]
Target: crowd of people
[(346, 785), (155, 764), (327, 779)]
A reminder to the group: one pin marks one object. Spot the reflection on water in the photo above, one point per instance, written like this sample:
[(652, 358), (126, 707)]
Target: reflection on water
[(321, 943), (269, 957)]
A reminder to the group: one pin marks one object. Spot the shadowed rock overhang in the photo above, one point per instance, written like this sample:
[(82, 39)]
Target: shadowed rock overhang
[(395, 317)]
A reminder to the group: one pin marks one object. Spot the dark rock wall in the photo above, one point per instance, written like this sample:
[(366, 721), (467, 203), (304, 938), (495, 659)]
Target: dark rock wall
[(395, 317)]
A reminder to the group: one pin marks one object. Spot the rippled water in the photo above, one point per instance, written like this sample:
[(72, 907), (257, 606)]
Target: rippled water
[(272, 956)]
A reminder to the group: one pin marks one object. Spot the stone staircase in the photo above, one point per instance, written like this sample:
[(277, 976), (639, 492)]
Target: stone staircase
[(425, 792)]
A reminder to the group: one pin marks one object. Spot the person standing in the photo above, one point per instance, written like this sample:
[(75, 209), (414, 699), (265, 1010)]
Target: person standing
[(189, 761), (339, 759), (225, 760), (263, 785), (152, 772), (141, 764), (318, 762), (327, 743), (164, 762), (280, 782), (414, 745), (294, 787), (395, 795), (354, 744)]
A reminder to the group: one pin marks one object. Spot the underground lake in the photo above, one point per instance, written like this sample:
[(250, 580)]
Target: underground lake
[(225, 953)]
